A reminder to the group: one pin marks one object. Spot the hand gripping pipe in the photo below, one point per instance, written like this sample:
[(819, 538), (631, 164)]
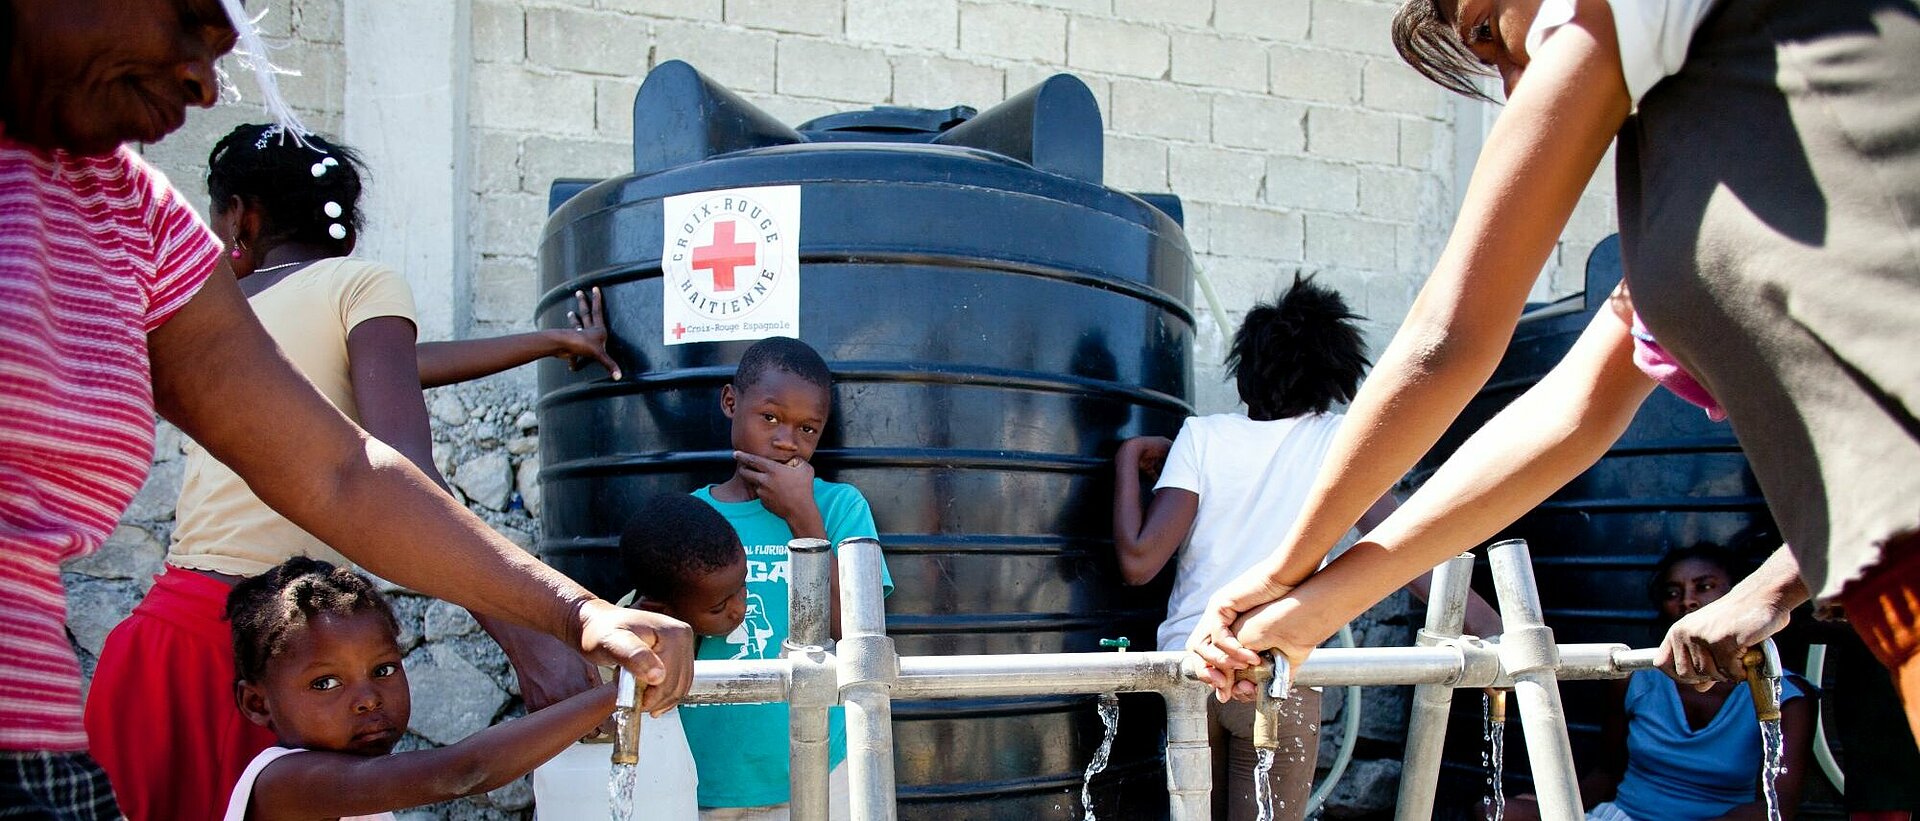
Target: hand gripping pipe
[(811, 688), (1427, 732), (1530, 658)]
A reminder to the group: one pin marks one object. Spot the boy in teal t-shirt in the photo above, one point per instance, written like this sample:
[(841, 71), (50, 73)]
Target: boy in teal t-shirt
[(778, 403)]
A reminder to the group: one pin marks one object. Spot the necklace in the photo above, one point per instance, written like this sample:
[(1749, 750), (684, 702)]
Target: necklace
[(281, 265)]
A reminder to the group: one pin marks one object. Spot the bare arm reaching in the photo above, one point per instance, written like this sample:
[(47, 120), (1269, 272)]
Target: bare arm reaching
[(219, 377), (319, 784), (1554, 431), (1145, 542), (1537, 161), (461, 360)]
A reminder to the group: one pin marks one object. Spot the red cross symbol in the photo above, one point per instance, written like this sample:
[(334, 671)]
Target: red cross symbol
[(723, 255), (679, 330)]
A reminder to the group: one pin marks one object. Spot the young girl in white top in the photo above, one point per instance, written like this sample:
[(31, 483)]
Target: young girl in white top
[(319, 662), (1229, 488)]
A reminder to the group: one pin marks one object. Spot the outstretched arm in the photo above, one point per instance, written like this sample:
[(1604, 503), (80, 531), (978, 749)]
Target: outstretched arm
[(1544, 439), (386, 387), (219, 377), (319, 784), (1144, 546), (461, 360), (1536, 162)]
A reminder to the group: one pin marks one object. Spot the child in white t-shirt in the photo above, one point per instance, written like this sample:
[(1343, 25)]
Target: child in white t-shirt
[(1230, 487)]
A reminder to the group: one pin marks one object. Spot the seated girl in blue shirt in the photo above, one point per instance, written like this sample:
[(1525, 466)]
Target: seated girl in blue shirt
[(1675, 754)]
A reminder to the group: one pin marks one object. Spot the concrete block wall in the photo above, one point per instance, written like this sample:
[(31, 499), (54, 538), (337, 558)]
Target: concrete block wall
[(1297, 139)]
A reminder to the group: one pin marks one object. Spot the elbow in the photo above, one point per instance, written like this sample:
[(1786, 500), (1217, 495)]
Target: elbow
[(1134, 572), (471, 775)]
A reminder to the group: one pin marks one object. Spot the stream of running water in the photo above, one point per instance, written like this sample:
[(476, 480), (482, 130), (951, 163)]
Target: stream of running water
[(1493, 758), (1109, 706)]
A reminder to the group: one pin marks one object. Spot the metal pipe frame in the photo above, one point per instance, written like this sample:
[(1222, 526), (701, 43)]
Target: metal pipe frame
[(864, 673), (1432, 703), (868, 669), (811, 687), (1532, 660)]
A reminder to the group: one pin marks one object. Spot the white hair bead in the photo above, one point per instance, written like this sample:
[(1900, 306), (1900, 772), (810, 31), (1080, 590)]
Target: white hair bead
[(337, 231), (329, 162), (332, 209), (318, 169)]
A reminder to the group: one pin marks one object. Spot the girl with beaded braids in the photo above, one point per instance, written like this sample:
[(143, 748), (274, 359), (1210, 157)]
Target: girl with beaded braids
[(289, 213)]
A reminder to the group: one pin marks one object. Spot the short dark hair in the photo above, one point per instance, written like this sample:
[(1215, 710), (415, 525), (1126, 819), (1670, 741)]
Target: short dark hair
[(782, 353), (1299, 354), (265, 609), (266, 167), (1428, 42), (672, 538), (1708, 552)]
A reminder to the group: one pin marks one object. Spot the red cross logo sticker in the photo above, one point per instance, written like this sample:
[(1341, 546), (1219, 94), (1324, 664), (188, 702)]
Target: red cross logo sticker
[(724, 255), (679, 330)]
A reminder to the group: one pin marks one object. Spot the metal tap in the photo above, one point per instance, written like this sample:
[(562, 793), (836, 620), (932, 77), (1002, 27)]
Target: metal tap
[(1763, 677), (1497, 706), (1266, 706), (626, 719)]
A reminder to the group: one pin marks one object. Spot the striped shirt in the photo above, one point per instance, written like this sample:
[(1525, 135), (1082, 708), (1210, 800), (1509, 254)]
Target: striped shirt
[(95, 253)]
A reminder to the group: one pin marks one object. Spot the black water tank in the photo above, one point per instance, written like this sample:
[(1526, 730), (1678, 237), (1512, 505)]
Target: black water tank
[(996, 321), (1675, 478)]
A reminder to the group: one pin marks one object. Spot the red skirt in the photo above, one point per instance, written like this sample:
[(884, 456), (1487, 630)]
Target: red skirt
[(160, 715)]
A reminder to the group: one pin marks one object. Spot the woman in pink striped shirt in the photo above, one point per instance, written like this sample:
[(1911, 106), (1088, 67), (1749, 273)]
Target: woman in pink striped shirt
[(110, 309)]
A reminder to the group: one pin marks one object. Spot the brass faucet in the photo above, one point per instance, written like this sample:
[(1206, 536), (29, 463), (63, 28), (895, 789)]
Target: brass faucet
[(1278, 684), (626, 719), (1763, 672)]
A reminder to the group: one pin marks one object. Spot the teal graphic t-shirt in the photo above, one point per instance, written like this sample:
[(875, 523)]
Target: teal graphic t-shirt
[(740, 750)]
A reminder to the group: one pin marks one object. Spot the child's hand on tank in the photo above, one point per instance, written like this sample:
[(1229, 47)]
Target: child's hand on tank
[(587, 342), (786, 489)]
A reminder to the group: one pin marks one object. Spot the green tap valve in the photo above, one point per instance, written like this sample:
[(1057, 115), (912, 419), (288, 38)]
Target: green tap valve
[(1120, 644)]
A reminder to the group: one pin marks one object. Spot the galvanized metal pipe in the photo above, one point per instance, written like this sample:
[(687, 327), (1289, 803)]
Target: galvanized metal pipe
[(1189, 756), (812, 686), (810, 593), (868, 667), (1530, 657), (1432, 703), (759, 681)]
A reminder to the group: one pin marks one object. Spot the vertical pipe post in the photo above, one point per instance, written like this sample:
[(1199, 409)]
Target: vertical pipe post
[(1189, 756), (811, 685), (1531, 658), (1432, 703), (868, 667)]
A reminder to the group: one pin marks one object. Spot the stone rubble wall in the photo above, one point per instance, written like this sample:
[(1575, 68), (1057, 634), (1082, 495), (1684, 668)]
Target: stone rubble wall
[(1296, 138)]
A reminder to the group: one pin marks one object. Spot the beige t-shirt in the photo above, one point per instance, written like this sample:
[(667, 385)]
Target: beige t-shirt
[(219, 524)]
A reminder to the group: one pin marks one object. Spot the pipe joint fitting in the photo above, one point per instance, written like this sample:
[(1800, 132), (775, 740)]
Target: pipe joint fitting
[(869, 658), (813, 678), (1528, 649), (1479, 663)]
